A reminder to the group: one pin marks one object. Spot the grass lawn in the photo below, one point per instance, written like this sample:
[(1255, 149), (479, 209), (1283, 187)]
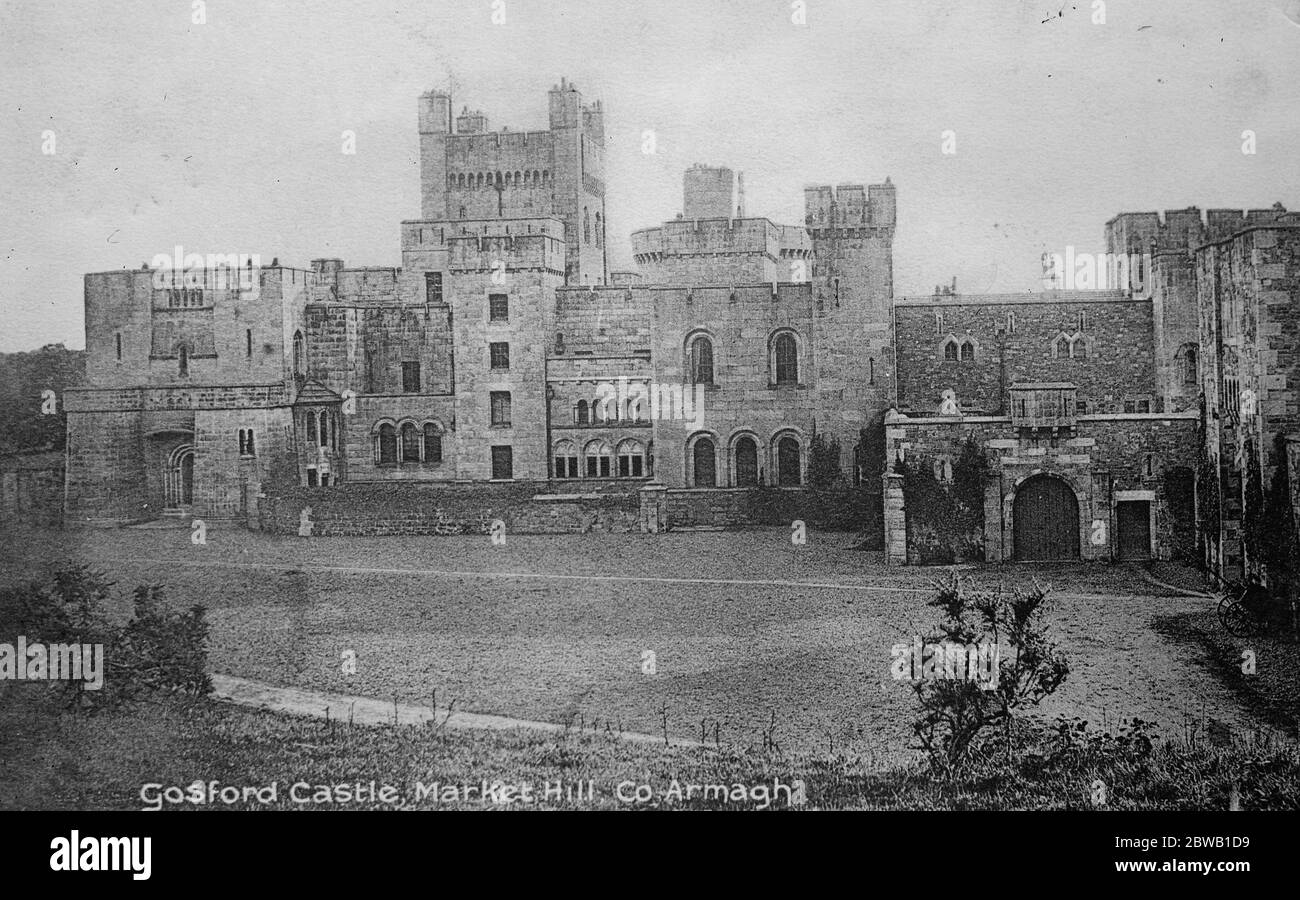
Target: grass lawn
[(51, 758), (480, 626)]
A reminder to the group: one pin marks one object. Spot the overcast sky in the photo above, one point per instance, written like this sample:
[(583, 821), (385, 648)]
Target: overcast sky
[(225, 137)]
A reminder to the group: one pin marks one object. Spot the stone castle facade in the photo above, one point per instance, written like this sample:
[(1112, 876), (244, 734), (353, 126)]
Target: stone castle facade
[(504, 351)]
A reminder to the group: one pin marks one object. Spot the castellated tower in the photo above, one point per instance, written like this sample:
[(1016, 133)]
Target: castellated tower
[(472, 177), (708, 192), (852, 233)]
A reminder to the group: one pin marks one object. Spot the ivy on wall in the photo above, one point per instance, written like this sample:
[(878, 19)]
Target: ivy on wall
[(945, 516)]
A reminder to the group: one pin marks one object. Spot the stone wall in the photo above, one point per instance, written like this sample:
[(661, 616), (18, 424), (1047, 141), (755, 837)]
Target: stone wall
[(1105, 459), (842, 509), (426, 509), (1014, 338), (31, 489)]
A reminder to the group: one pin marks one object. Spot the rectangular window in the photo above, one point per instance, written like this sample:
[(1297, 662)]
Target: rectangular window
[(1081, 407), (500, 354), (500, 408), (248, 343), (637, 469), (411, 377), (311, 478), (119, 345), (502, 463), (1144, 406), (498, 308), (432, 287), (1130, 406)]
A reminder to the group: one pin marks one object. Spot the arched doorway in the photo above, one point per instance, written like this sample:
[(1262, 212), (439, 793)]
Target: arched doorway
[(787, 462), (746, 462), (1046, 518), (179, 481), (706, 471)]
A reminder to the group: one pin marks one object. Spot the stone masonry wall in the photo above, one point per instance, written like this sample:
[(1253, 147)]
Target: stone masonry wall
[(409, 508), (1119, 365)]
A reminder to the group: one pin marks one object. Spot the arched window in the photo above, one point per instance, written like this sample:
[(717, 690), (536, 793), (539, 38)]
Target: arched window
[(746, 462), (598, 231), (118, 340), (536, 177), (299, 354), (566, 460), (311, 428), (703, 457), (600, 412), (636, 407), (324, 429), (371, 381), (1079, 348), (950, 350), (248, 343), (580, 414), (432, 443), (183, 363), (586, 226), (967, 350), (787, 462), (387, 444), (1190, 371), (410, 443), (702, 360), (598, 459), (787, 359), (631, 459)]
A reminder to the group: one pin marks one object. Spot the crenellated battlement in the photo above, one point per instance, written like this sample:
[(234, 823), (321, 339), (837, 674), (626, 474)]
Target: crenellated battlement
[(1181, 230), (850, 206)]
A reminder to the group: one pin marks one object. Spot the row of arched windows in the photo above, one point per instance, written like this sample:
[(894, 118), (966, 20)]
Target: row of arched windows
[(407, 443), (185, 296), (783, 351), (959, 350), (586, 228), (521, 178), (599, 460), (784, 460), (1070, 346), (322, 431), (598, 412)]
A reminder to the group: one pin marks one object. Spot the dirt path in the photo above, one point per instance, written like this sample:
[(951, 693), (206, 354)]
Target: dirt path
[(369, 711)]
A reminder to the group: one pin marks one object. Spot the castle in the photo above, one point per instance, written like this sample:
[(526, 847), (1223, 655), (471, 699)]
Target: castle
[(504, 359)]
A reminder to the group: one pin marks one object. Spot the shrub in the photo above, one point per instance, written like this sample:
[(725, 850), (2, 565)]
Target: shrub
[(1029, 667), (823, 461), (157, 649)]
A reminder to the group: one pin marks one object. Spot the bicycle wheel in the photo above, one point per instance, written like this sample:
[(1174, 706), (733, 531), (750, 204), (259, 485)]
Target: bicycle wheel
[(1237, 620)]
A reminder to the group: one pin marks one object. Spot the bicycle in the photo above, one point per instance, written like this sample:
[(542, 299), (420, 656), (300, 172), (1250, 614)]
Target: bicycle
[(1241, 611)]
